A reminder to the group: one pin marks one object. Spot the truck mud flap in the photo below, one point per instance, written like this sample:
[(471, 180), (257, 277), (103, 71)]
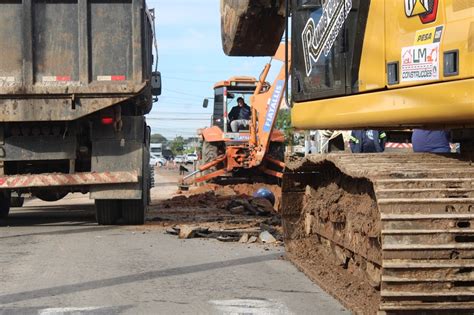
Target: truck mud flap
[(117, 151)]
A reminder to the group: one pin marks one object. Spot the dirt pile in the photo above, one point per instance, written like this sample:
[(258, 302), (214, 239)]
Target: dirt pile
[(227, 213), (242, 190)]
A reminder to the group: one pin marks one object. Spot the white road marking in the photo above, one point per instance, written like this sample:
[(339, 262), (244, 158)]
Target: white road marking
[(250, 306), (67, 310)]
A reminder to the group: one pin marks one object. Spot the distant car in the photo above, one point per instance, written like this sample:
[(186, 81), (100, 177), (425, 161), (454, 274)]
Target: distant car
[(191, 158), (157, 160), (180, 159)]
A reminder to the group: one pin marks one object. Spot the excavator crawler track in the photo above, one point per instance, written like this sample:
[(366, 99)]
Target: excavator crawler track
[(403, 224)]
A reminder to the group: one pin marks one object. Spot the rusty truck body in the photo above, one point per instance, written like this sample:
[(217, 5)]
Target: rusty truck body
[(76, 80)]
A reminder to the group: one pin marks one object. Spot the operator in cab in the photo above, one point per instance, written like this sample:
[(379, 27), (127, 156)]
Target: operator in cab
[(239, 116)]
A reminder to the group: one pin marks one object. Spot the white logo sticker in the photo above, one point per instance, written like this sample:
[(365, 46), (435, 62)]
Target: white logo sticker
[(420, 63), (321, 37)]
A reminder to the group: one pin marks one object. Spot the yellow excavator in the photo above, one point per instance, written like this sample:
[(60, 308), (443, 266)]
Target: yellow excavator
[(388, 233)]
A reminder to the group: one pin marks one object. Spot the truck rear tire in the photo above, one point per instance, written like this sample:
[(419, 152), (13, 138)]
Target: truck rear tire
[(125, 211), (49, 195), (17, 202), (107, 212), (133, 211), (4, 205)]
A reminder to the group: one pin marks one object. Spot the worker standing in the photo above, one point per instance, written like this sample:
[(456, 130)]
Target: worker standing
[(239, 115), (435, 141), (367, 141)]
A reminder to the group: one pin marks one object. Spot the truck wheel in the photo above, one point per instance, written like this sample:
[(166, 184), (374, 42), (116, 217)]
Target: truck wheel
[(151, 179), (17, 202), (133, 211), (107, 212), (50, 196), (4, 205)]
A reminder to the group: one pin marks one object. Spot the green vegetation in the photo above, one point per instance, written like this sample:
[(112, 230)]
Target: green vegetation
[(283, 123), (158, 138), (177, 145)]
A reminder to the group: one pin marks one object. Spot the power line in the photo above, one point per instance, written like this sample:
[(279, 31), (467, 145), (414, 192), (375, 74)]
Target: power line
[(188, 70), (187, 129), (183, 93), (185, 98), (190, 80), (179, 119), (198, 103), (179, 113), (171, 130)]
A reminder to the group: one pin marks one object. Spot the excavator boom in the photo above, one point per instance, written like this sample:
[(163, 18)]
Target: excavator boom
[(265, 108)]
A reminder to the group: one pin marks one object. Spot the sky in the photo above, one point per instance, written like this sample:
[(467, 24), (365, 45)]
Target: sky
[(191, 60)]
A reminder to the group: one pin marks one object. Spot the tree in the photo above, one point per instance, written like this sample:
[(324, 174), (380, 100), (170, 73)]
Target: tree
[(177, 145), (158, 138), (283, 123)]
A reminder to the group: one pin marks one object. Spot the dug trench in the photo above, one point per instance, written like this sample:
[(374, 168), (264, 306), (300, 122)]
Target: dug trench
[(332, 233), (224, 212)]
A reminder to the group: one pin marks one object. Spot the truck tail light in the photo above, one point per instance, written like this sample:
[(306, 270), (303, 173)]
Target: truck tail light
[(107, 120)]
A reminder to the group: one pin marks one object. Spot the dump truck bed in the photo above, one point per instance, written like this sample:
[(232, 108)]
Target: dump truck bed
[(61, 60)]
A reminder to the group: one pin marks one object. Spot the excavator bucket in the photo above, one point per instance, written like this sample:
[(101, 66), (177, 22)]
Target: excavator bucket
[(240, 16)]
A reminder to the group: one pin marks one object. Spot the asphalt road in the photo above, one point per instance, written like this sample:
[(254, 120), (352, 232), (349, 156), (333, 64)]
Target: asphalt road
[(56, 260)]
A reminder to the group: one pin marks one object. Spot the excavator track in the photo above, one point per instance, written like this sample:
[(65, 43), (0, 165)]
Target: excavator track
[(403, 224)]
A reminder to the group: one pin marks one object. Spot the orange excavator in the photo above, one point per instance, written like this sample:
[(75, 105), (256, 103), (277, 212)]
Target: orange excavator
[(260, 147)]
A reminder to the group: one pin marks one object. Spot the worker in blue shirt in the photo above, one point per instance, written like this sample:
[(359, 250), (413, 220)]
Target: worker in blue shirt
[(436, 141), (239, 115)]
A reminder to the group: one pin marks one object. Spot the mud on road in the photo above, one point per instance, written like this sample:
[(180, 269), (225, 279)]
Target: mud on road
[(226, 212), (208, 207)]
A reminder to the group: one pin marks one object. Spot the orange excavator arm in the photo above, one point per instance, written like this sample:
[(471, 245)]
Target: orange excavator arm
[(265, 108)]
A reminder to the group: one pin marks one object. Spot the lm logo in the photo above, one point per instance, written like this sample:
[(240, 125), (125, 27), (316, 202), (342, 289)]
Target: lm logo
[(427, 10)]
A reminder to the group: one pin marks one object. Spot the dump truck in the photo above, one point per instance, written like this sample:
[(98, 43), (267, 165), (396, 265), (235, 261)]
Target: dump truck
[(76, 80), (254, 152), (397, 227)]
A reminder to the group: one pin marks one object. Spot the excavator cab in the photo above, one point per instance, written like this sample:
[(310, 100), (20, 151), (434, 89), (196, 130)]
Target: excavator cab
[(226, 94), (326, 54)]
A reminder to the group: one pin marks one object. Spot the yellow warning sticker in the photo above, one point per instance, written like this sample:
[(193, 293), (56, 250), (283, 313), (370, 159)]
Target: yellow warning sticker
[(430, 35)]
